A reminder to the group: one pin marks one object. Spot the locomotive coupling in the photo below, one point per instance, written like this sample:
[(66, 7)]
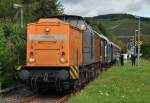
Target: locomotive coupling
[(22, 73)]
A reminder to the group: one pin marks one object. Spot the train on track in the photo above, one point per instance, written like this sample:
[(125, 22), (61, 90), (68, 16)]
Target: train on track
[(63, 53)]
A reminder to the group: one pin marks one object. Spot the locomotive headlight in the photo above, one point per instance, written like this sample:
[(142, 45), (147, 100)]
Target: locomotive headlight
[(63, 60), (31, 60), (47, 29)]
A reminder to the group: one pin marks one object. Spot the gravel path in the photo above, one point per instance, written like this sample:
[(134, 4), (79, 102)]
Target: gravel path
[(15, 96)]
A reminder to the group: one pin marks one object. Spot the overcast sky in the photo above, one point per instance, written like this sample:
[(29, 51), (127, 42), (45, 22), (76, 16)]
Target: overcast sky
[(99, 7)]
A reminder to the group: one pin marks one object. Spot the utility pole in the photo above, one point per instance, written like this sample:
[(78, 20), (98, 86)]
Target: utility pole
[(18, 6), (135, 40), (21, 12), (129, 44), (139, 32)]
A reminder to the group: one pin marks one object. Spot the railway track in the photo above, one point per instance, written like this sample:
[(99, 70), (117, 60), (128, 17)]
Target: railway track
[(38, 99)]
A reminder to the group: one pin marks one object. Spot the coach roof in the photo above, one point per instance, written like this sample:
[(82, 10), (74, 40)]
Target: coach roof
[(102, 36)]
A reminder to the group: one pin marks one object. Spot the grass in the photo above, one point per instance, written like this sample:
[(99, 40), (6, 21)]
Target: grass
[(128, 84)]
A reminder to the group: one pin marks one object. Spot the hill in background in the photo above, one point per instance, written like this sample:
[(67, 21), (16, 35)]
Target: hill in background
[(123, 24), (114, 25)]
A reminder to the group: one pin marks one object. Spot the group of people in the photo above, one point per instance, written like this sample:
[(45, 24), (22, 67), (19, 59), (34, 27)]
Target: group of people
[(123, 57)]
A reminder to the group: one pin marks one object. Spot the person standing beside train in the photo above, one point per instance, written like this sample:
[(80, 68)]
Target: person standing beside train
[(117, 58), (133, 59), (122, 59), (125, 57)]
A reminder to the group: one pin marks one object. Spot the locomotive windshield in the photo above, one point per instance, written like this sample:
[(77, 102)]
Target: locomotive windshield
[(77, 23)]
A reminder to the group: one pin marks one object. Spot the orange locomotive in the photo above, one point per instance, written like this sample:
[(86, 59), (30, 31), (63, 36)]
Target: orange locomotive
[(62, 53)]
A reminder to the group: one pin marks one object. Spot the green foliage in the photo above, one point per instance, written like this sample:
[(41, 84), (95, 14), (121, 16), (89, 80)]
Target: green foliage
[(145, 48), (119, 16), (97, 26), (125, 25), (33, 9), (6, 8), (102, 29), (146, 51), (9, 47), (117, 41), (12, 37), (7, 59), (47, 8)]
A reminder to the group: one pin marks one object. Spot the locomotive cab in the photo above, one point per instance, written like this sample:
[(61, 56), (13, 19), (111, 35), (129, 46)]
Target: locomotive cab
[(47, 43)]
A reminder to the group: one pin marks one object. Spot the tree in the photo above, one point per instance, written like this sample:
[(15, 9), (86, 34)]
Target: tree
[(33, 9), (7, 60), (102, 29), (47, 8), (98, 27), (145, 48), (12, 37), (117, 41), (6, 8), (9, 52)]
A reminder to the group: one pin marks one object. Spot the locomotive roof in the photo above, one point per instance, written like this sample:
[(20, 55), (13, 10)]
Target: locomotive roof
[(65, 16), (105, 38), (115, 45)]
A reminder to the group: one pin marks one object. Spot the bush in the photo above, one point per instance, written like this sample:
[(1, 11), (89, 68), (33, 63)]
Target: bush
[(11, 45), (145, 49)]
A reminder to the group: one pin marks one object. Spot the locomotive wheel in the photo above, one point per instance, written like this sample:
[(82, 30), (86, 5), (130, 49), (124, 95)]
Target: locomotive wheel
[(59, 85), (76, 85)]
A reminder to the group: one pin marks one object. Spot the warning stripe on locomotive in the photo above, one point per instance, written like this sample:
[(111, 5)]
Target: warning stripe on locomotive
[(18, 68), (74, 72)]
